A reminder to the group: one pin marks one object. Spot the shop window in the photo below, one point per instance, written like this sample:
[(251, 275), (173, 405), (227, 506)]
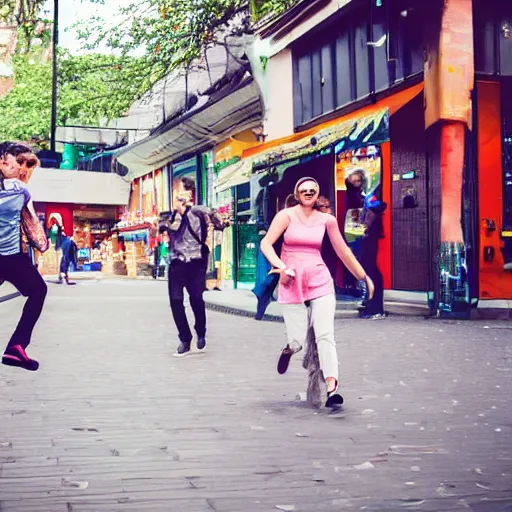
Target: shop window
[(343, 75), (361, 58), (342, 67), (303, 90), (484, 38), (327, 79), (380, 51), (316, 65), (505, 32), (313, 84), (492, 26), (407, 37)]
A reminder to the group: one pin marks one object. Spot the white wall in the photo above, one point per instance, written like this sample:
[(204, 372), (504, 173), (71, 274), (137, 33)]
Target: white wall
[(279, 114), (277, 79)]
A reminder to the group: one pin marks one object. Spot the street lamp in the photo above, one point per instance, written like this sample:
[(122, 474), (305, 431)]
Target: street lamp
[(55, 42)]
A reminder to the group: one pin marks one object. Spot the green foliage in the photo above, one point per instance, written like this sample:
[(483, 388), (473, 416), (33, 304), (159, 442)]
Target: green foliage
[(25, 111), (26, 15), (95, 86), (173, 33), (91, 88)]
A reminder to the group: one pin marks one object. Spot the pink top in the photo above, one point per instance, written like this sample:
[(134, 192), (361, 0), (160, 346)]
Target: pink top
[(301, 251)]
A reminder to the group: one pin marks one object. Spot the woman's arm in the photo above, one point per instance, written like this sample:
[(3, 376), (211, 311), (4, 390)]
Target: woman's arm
[(346, 255), (277, 228)]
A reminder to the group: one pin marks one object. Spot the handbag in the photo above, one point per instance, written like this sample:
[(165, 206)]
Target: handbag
[(32, 231)]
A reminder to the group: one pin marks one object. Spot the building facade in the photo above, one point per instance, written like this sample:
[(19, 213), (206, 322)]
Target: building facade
[(431, 76)]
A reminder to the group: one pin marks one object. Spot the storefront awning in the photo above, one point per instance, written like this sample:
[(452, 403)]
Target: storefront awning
[(368, 126), (78, 187), (236, 111)]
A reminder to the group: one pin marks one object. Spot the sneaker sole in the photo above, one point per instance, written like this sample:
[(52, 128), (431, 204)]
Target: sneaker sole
[(179, 356), (20, 364)]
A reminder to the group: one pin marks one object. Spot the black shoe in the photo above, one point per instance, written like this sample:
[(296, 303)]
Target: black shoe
[(201, 343), (286, 355), (182, 350), (16, 356), (334, 400)]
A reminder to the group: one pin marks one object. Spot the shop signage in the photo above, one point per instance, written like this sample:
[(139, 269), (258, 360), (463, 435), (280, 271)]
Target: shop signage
[(354, 133)]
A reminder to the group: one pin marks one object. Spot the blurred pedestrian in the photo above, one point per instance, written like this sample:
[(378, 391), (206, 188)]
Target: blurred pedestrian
[(69, 257), (17, 221)]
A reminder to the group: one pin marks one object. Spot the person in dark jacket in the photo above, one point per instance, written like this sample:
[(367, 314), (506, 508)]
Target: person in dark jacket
[(356, 185), (187, 227), (372, 219), (69, 251)]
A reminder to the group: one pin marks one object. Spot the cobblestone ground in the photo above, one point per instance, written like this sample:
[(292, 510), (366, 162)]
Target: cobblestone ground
[(112, 422)]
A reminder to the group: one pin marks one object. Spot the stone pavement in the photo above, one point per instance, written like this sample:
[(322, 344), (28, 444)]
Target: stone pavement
[(112, 422)]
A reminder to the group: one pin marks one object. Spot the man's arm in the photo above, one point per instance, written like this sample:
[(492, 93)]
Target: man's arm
[(171, 224), (211, 216)]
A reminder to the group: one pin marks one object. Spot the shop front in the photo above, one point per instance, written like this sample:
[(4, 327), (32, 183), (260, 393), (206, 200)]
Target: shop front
[(494, 146), (359, 144), (232, 203), (137, 247), (85, 205)]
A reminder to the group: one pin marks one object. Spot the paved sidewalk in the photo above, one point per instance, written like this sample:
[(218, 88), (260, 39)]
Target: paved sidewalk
[(8, 292), (112, 422), (244, 302)]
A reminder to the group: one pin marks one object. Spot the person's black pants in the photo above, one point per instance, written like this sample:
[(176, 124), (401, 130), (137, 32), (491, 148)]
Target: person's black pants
[(18, 270), (369, 262), (375, 306), (64, 266), (192, 277)]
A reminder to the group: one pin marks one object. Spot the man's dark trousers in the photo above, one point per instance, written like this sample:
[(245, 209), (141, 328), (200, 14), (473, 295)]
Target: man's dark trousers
[(192, 276)]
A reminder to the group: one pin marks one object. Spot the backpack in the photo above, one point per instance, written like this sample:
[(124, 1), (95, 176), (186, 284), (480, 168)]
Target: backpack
[(205, 250)]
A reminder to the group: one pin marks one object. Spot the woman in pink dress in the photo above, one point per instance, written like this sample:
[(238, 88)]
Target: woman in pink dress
[(306, 289)]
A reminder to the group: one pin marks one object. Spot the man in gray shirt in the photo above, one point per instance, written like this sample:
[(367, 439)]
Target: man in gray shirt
[(187, 227)]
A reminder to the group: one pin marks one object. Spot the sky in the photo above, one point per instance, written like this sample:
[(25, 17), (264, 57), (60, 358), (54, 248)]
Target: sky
[(71, 11)]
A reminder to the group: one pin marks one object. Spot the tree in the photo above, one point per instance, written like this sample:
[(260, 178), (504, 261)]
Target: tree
[(27, 16), (91, 88), (174, 33)]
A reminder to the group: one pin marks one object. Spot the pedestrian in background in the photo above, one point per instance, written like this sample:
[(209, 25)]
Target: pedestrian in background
[(306, 289), (374, 231), (69, 257), (187, 227), (18, 220), (265, 290)]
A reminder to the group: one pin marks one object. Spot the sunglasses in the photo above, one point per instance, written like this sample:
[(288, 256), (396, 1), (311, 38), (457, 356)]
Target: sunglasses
[(29, 162), (311, 191)]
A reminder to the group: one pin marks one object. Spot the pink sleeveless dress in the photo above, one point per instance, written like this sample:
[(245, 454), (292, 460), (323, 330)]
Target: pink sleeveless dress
[(301, 251)]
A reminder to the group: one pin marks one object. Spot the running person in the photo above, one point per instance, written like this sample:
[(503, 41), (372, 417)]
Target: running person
[(16, 162), (306, 289)]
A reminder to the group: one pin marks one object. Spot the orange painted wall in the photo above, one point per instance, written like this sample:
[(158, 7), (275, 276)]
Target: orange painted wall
[(494, 282)]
